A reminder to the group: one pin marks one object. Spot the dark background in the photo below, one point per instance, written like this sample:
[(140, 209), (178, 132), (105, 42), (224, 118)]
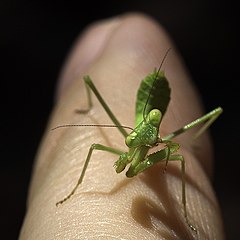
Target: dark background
[(35, 37)]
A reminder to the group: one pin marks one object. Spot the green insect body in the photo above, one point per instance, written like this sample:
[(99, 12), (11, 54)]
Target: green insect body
[(139, 141), (153, 98)]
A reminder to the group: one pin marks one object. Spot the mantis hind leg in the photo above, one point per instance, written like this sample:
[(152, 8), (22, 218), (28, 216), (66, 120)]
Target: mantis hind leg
[(90, 86), (93, 147), (89, 100)]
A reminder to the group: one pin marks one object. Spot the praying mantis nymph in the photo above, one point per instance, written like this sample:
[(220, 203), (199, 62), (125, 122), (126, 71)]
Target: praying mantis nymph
[(153, 98)]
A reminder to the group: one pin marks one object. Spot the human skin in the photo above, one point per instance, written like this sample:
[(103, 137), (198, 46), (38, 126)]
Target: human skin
[(117, 54)]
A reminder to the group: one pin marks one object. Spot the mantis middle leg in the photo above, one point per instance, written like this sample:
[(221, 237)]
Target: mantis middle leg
[(93, 147)]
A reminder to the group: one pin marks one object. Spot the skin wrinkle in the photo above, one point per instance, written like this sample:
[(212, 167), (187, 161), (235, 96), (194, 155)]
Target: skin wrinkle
[(103, 191)]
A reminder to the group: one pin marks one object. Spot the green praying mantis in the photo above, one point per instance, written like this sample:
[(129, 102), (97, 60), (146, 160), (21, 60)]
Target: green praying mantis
[(153, 97)]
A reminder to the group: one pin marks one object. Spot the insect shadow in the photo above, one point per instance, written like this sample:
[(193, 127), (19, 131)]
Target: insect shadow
[(150, 214)]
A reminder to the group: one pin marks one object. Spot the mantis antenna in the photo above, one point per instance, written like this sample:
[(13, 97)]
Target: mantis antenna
[(91, 125), (159, 68)]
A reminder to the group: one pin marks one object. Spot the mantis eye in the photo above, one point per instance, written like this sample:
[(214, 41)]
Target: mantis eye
[(155, 117)]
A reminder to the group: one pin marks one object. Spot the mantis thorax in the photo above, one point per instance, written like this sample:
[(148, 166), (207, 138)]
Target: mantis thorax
[(146, 133)]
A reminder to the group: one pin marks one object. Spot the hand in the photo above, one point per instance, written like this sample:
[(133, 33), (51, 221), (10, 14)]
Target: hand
[(117, 54)]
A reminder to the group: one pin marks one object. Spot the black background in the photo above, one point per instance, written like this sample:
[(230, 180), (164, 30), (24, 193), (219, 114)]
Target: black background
[(35, 37)]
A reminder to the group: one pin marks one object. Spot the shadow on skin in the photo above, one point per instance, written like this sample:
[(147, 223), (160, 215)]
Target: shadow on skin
[(144, 211), (150, 215)]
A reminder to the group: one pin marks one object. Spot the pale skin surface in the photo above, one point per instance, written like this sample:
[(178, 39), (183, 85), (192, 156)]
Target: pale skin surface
[(117, 54)]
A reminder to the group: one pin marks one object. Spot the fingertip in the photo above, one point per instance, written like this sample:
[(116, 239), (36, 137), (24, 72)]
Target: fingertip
[(130, 37), (87, 47)]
